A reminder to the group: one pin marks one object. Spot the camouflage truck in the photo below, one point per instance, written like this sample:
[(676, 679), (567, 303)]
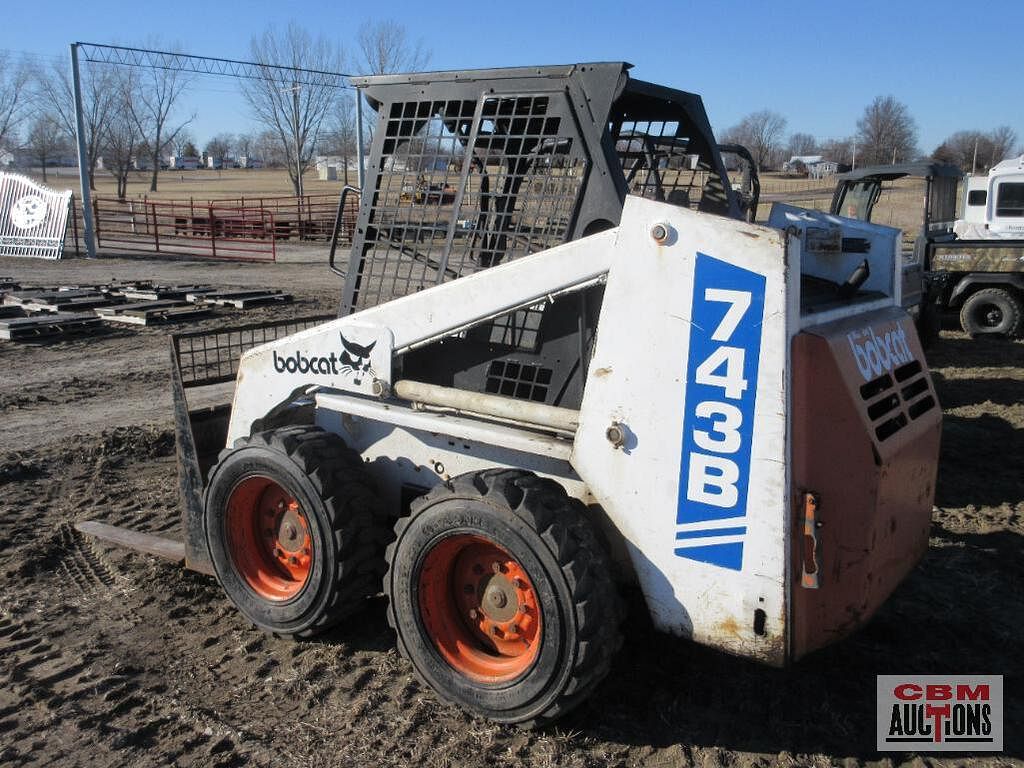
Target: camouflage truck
[(973, 263)]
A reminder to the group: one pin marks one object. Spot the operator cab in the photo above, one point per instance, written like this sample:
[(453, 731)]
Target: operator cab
[(469, 170)]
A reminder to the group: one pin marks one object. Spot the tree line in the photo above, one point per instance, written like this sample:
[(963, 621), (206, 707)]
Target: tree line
[(133, 115), (886, 133)]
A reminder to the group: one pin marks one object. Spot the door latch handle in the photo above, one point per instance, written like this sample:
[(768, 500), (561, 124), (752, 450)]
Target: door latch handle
[(809, 562)]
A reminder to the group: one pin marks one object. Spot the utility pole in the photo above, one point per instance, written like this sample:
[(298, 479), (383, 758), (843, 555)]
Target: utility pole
[(360, 149), (295, 123), (854, 165), (974, 162), (88, 232)]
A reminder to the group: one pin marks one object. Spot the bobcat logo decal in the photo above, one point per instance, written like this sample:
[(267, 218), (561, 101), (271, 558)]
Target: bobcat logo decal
[(354, 362), (355, 359)]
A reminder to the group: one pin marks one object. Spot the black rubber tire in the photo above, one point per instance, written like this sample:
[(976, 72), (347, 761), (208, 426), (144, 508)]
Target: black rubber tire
[(929, 325), (551, 536), (348, 529), (993, 311)]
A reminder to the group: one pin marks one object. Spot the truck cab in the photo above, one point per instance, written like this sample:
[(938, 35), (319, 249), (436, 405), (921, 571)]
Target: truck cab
[(993, 205)]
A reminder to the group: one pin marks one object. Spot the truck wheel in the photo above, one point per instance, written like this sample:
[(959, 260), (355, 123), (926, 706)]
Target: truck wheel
[(992, 311), (295, 530), (929, 324), (502, 598)]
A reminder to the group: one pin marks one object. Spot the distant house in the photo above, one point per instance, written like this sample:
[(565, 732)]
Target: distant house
[(184, 163), (814, 166), (248, 161)]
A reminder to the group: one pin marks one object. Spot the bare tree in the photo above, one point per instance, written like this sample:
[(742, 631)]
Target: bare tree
[(976, 150), (46, 140), (385, 48), (99, 98), (965, 149), (184, 143), (839, 150), (121, 143), (220, 146), (268, 148), (760, 132), (293, 111), (886, 133), (14, 96), (1003, 138), (245, 145), (151, 94), (802, 144), (341, 137)]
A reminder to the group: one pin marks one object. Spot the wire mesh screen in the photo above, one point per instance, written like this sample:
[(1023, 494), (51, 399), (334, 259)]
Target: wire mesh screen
[(463, 185), (657, 161), (211, 357)]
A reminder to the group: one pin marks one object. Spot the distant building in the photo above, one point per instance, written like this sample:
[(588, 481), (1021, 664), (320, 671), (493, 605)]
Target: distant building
[(216, 163), (248, 161), (814, 166), (183, 163)]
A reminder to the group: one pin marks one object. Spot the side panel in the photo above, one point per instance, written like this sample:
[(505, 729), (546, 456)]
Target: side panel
[(986, 256), (690, 361), (866, 429)]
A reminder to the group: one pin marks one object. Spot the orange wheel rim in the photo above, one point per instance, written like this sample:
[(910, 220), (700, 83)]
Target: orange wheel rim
[(479, 608), (268, 538)]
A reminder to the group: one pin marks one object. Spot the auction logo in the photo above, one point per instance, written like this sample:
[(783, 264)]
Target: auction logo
[(934, 713)]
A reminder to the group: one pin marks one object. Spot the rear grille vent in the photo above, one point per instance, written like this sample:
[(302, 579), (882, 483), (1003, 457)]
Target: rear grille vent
[(519, 380), (894, 401)]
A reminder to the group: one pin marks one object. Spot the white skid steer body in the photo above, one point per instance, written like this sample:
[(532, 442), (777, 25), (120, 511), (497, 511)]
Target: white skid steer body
[(688, 445)]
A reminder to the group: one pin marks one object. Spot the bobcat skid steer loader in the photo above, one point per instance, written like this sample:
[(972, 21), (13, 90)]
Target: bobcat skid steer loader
[(577, 366)]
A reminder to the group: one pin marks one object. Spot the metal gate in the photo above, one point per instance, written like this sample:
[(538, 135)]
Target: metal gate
[(33, 218)]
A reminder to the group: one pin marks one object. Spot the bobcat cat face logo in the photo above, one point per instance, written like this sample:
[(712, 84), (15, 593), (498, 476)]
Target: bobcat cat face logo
[(355, 359)]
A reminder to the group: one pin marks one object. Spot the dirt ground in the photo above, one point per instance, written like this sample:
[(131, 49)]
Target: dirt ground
[(111, 658)]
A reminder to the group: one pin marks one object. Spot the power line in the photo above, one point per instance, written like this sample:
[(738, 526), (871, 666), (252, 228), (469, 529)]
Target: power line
[(208, 65)]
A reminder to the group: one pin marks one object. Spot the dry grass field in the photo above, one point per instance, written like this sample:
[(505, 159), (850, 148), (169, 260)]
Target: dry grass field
[(199, 184), (899, 205)]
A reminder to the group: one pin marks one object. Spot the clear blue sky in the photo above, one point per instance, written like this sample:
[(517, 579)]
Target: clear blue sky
[(818, 64)]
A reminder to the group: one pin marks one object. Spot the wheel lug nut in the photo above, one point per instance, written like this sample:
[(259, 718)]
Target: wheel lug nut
[(280, 505), (473, 614), (278, 552), (497, 567), (519, 583)]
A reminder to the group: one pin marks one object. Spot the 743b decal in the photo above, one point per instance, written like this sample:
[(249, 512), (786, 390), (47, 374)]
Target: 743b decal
[(721, 390)]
